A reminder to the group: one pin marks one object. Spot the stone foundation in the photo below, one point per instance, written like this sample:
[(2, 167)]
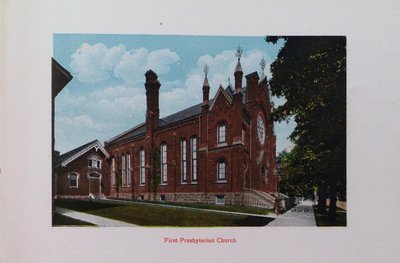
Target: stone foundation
[(71, 197), (229, 199)]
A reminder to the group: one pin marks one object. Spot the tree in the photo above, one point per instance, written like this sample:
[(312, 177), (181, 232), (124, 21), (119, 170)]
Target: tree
[(155, 172), (295, 173), (310, 73), (118, 178)]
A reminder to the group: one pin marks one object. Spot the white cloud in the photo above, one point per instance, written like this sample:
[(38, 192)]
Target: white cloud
[(80, 121), (95, 63), (175, 100), (67, 101), (107, 111), (133, 64), (222, 67), (160, 60), (116, 91)]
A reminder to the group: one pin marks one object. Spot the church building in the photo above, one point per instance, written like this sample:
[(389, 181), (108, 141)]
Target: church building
[(219, 151)]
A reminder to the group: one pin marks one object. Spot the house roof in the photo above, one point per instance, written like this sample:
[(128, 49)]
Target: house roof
[(140, 130), (60, 77), (68, 157)]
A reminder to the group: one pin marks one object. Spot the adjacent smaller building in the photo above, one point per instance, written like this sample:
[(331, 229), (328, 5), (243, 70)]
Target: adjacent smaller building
[(82, 172)]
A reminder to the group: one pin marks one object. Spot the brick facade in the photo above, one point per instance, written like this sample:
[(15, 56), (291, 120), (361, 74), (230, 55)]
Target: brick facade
[(221, 150), (245, 161), (90, 178)]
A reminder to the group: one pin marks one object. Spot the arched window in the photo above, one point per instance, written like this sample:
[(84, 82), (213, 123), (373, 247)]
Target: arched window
[(183, 161), (142, 171), (163, 163), (112, 171), (264, 174), (221, 133), (73, 180), (123, 167), (193, 158), (221, 170), (128, 169)]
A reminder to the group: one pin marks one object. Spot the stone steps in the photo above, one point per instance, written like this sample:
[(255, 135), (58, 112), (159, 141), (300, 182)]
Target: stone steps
[(259, 199)]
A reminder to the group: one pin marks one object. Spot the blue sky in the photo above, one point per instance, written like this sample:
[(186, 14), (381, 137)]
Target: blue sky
[(107, 94)]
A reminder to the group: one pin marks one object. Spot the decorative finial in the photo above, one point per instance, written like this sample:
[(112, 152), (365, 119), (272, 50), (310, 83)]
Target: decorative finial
[(262, 64), (205, 69), (239, 52), (229, 80)]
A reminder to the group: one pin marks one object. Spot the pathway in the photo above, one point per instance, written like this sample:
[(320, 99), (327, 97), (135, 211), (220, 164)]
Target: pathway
[(96, 220), (300, 215)]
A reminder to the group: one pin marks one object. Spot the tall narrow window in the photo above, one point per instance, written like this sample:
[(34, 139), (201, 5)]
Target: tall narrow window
[(243, 136), (113, 171), (123, 170), (128, 169), (183, 161), (221, 133), (142, 171), (193, 158), (163, 163), (221, 170)]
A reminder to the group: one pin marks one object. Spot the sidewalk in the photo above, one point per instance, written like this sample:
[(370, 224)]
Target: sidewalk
[(97, 220), (300, 215)]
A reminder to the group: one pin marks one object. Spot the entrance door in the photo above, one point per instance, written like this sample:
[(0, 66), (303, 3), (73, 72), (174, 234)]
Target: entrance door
[(94, 184)]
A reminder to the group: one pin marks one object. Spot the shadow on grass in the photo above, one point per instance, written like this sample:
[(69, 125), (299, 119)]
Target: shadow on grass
[(60, 220), (322, 218), (84, 206), (255, 221)]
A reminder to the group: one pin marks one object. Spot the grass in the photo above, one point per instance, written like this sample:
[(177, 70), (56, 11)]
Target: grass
[(60, 220), (322, 219), (157, 215), (240, 209)]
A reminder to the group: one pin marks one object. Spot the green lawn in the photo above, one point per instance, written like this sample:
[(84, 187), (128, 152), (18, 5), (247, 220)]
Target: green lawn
[(240, 209), (60, 220), (322, 219), (157, 215)]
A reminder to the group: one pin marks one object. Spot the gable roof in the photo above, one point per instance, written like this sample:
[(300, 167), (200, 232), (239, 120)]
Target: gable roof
[(137, 131), (140, 130), (193, 111), (222, 91), (182, 115), (70, 156), (60, 77)]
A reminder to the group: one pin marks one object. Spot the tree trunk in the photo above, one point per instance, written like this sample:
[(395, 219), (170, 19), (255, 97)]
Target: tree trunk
[(332, 202), (322, 198)]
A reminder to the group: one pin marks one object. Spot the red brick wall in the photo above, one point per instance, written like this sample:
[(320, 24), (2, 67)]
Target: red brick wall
[(237, 156), (80, 166)]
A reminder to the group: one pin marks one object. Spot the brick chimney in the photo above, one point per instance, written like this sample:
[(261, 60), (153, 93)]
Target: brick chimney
[(152, 93), (252, 87)]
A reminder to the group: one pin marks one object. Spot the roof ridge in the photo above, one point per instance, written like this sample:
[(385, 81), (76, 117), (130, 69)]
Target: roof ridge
[(126, 131), (82, 146)]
